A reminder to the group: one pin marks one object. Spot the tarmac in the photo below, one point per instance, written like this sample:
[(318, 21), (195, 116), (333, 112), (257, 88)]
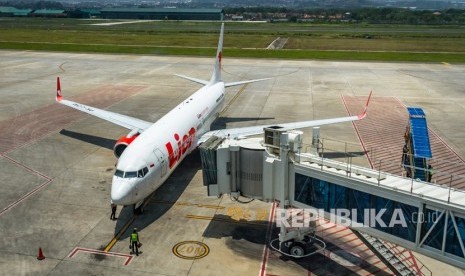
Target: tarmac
[(56, 164)]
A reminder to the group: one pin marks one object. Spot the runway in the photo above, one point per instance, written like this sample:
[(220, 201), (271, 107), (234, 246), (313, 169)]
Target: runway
[(56, 164)]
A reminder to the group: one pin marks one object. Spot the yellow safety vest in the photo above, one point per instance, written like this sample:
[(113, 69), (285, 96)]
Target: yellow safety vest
[(133, 237)]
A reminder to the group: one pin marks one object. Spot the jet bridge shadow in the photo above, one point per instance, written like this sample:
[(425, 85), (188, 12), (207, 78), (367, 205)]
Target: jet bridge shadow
[(247, 238), (162, 199), (335, 155), (221, 122)]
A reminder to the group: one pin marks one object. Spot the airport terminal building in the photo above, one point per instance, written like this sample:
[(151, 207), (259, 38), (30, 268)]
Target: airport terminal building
[(162, 14)]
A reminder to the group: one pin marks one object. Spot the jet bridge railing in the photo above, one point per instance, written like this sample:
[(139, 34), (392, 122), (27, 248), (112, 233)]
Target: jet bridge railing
[(351, 154), (435, 215)]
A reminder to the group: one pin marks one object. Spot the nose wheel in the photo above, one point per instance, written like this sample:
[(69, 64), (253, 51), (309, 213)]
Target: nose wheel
[(138, 208)]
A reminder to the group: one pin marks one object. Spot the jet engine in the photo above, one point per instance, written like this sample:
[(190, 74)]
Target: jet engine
[(123, 142)]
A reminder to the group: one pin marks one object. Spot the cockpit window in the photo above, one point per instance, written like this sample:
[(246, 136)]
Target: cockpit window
[(130, 174), (143, 172), (140, 173), (119, 173)]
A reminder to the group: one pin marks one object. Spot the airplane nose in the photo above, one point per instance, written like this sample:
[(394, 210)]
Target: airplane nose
[(121, 192)]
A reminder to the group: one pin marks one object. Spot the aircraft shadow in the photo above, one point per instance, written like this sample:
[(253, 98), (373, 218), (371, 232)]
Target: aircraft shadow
[(248, 237), (91, 139), (163, 198), (221, 122)]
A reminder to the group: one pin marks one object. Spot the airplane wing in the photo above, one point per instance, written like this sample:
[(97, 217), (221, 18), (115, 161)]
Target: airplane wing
[(119, 119), (203, 82), (254, 130)]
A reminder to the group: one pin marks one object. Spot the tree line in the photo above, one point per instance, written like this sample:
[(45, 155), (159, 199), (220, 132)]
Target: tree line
[(368, 15)]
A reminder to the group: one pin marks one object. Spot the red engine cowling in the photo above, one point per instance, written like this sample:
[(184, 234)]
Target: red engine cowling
[(122, 143)]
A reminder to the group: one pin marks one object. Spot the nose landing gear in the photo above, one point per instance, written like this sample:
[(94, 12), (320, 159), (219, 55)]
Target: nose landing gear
[(138, 208)]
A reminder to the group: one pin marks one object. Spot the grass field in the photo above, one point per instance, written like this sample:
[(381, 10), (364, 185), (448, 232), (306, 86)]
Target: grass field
[(306, 41)]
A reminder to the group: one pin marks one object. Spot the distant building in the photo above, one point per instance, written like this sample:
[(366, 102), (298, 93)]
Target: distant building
[(49, 13), (162, 14), (11, 11)]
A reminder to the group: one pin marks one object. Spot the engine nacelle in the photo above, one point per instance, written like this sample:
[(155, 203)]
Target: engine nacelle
[(122, 143)]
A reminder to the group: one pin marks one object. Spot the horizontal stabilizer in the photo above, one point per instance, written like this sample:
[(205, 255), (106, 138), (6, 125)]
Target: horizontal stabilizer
[(229, 84), (204, 82)]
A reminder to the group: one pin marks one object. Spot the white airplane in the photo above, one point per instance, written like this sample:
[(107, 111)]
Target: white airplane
[(151, 151)]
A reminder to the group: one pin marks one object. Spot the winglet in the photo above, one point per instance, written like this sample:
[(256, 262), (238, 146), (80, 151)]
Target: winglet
[(364, 113), (59, 97)]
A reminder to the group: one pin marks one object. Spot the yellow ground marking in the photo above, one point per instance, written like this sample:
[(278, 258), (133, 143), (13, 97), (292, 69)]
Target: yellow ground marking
[(233, 99), (119, 234), (185, 203), (261, 214), (130, 221), (126, 226), (238, 213), (445, 63), (190, 250), (264, 223)]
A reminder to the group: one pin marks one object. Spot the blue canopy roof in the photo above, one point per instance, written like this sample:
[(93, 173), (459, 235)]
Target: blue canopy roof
[(419, 132)]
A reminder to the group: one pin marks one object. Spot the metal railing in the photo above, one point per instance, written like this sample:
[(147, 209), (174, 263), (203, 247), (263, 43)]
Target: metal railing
[(348, 152), (406, 256)]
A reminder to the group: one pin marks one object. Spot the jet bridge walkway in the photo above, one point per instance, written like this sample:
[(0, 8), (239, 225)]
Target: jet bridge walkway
[(420, 216)]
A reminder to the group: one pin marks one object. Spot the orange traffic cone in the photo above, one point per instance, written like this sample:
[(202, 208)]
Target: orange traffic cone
[(41, 255)]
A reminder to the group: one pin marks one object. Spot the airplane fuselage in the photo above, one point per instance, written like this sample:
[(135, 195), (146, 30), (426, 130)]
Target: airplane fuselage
[(147, 159), (151, 158)]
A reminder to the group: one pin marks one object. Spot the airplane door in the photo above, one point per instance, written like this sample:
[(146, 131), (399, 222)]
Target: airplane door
[(161, 159)]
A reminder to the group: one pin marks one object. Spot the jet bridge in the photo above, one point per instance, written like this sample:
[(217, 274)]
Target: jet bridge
[(428, 218)]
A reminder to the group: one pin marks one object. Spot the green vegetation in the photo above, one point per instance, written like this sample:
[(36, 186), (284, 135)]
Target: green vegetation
[(306, 41), (372, 15)]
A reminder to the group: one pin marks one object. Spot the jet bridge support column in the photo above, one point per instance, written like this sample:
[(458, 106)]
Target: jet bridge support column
[(234, 152), (261, 170), (297, 242)]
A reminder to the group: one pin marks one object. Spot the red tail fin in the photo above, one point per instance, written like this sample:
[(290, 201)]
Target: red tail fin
[(59, 97), (364, 113)]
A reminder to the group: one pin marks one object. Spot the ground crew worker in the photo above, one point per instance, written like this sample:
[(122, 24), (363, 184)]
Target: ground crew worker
[(113, 211), (430, 173), (134, 242)]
